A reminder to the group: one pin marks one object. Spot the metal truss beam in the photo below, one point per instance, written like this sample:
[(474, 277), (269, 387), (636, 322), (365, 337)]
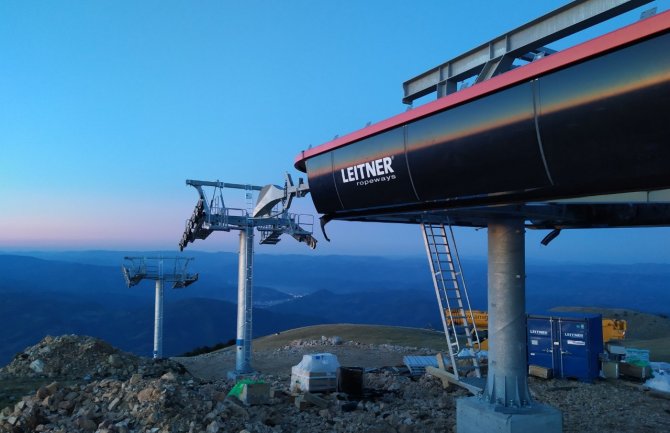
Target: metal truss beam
[(498, 54)]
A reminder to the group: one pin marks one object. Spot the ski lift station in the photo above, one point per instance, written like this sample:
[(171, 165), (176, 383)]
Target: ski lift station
[(519, 137)]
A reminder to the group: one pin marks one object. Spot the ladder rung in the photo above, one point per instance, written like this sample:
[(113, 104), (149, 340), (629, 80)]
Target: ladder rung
[(446, 272)]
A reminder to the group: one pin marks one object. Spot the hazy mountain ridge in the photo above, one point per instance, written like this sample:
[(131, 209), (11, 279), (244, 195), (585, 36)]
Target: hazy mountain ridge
[(46, 296), (188, 323)]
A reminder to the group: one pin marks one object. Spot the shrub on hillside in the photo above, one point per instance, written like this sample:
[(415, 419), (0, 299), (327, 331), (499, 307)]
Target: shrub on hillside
[(207, 349)]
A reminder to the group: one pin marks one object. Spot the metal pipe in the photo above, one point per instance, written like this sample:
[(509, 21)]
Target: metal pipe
[(158, 319), (192, 182), (244, 302), (507, 384)]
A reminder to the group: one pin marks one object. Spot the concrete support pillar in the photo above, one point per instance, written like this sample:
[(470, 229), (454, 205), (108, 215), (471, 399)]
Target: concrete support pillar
[(244, 303), (506, 405), (158, 320)]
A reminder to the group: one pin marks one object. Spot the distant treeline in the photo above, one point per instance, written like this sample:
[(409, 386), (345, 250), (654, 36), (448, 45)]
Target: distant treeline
[(207, 349)]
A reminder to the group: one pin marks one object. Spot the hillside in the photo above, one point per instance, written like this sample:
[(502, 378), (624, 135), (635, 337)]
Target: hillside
[(397, 308)]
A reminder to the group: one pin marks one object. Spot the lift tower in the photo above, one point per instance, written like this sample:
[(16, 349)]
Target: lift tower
[(270, 217), (137, 269)]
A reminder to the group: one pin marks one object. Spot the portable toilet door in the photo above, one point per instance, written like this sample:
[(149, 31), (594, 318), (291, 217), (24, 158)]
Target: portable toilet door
[(580, 342), (541, 342)]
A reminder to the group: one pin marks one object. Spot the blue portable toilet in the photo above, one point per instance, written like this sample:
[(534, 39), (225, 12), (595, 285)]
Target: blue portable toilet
[(569, 344)]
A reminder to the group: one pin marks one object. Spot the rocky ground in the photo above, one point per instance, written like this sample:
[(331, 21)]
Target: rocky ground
[(85, 385)]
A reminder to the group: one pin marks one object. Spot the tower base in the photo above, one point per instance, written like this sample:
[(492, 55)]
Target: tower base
[(473, 415), (234, 375)]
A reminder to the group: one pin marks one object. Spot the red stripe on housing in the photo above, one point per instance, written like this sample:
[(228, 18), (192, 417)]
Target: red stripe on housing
[(594, 47)]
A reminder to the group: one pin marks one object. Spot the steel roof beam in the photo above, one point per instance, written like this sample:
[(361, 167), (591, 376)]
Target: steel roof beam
[(197, 183), (518, 43)]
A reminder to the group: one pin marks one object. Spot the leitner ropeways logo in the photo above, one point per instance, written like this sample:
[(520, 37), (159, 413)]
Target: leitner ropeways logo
[(379, 170), (573, 335)]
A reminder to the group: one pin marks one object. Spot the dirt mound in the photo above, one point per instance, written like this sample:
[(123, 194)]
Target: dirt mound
[(80, 357), (372, 334)]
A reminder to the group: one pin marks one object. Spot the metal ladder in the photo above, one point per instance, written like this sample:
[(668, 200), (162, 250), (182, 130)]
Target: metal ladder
[(452, 297), (249, 199)]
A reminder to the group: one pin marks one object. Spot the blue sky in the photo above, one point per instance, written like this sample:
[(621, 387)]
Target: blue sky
[(107, 107)]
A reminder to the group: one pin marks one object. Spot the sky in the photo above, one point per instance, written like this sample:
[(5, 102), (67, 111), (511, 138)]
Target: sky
[(107, 107)]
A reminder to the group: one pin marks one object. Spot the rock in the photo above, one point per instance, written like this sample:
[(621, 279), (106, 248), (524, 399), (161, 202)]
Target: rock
[(169, 376), (135, 379), (219, 396), (52, 388), (349, 406), (86, 424), (148, 394), (113, 404), (114, 360), (66, 405), (37, 366), (213, 427), (236, 408), (42, 393), (336, 341)]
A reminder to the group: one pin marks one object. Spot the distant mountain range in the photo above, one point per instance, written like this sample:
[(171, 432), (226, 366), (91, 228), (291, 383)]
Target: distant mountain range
[(188, 323), (84, 293)]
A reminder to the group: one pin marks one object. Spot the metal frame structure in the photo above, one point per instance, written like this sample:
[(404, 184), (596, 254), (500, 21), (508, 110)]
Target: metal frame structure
[(153, 268), (270, 217)]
